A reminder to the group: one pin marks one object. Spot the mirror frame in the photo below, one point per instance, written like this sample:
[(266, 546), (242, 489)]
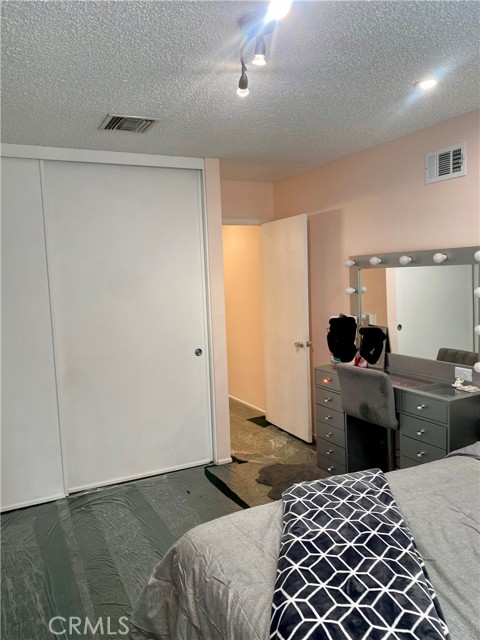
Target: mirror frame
[(423, 258)]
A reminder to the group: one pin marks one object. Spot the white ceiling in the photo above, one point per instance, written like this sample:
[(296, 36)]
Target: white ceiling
[(339, 77)]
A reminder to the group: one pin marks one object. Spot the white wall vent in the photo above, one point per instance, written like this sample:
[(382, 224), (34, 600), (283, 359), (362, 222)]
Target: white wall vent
[(126, 123), (445, 164)]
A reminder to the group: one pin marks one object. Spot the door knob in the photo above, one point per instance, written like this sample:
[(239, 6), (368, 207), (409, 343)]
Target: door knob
[(198, 352), (299, 345)]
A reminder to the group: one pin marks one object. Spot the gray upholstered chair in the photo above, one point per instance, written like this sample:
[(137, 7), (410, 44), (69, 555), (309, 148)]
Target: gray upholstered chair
[(367, 394)]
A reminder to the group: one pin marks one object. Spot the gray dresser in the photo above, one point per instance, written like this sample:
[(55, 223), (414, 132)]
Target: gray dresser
[(329, 421), (434, 420)]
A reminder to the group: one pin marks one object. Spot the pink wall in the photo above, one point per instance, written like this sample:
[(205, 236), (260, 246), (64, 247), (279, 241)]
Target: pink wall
[(243, 200), (243, 303), (377, 200)]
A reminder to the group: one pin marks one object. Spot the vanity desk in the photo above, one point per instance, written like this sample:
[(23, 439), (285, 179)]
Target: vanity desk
[(434, 418)]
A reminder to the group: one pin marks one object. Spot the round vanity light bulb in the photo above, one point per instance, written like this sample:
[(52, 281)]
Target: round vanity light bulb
[(476, 367), (476, 292), (349, 263), (477, 330), (405, 260), (350, 290), (439, 258), (476, 255), (243, 93), (374, 261)]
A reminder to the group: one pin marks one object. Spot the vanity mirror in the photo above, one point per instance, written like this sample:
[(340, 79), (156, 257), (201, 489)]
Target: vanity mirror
[(427, 299)]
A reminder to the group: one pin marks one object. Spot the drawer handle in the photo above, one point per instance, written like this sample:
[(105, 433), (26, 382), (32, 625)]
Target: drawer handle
[(421, 432), (328, 417), (420, 454), (329, 434), (421, 406), (327, 380), (329, 452), (330, 469), (328, 399)]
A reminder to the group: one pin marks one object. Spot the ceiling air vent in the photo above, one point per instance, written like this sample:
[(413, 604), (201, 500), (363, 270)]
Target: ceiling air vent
[(126, 123), (445, 164)]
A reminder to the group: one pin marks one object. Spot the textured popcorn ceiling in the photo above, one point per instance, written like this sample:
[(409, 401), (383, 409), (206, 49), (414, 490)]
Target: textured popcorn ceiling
[(339, 77)]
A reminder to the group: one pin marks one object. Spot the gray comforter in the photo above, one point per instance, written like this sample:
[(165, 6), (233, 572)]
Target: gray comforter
[(216, 582)]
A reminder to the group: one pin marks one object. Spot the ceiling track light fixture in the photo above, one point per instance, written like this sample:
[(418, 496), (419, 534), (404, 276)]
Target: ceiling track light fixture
[(254, 28)]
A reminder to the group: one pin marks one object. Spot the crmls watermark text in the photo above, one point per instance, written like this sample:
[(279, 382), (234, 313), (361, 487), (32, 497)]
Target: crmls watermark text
[(74, 626)]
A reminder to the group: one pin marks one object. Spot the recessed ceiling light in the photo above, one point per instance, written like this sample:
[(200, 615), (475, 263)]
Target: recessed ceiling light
[(426, 84)]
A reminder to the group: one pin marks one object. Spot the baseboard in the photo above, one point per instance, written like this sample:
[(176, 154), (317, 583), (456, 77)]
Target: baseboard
[(247, 404), (223, 461), (32, 503), (150, 474)]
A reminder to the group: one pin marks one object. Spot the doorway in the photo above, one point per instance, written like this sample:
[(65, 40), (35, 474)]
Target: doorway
[(244, 303)]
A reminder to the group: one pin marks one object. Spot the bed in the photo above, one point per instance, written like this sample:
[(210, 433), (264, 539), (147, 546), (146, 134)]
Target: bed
[(217, 581)]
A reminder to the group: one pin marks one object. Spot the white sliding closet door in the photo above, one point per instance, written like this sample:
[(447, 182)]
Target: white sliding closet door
[(127, 273), (31, 453)]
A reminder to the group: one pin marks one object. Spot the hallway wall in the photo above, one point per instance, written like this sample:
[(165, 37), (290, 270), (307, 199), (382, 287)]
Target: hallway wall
[(244, 318)]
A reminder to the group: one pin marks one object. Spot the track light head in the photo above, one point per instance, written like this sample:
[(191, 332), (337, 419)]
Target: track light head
[(260, 51), (242, 90)]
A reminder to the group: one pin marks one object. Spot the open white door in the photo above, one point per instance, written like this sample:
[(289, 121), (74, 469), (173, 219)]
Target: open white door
[(286, 325)]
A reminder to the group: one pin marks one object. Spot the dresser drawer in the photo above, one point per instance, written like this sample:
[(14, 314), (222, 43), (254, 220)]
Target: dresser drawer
[(419, 451), (330, 417), (425, 407), (327, 379), (330, 465), (328, 398), (424, 431), (331, 451), (330, 434)]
